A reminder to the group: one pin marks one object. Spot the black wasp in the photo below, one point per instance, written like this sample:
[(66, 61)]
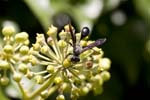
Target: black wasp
[(77, 49)]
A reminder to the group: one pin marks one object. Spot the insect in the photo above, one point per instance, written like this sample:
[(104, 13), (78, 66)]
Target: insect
[(77, 49)]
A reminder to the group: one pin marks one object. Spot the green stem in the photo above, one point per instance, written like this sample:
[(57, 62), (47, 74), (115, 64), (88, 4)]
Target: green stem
[(25, 97), (42, 72), (12, 69), (58, 49), (44, 86), (52, 90)]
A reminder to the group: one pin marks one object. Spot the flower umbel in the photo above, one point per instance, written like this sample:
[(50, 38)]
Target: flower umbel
[(60, 72), (64, 62), (12, 53)]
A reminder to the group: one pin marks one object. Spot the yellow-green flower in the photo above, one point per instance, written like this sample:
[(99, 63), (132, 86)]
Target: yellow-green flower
[(65, 62), (54, 55), (12, 53)]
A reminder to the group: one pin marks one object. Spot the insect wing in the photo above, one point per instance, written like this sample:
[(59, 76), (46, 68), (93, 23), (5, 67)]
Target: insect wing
[(95, 44)]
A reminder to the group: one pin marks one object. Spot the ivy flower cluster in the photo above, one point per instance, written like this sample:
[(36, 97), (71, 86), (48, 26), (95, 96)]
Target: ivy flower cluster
[(13, 55), (48, 64)]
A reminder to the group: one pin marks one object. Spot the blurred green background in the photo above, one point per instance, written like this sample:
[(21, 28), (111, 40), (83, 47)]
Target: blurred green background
[(125, 24)]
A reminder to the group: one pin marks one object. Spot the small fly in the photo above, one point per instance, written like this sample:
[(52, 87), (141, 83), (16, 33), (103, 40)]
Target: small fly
[(77, 49)]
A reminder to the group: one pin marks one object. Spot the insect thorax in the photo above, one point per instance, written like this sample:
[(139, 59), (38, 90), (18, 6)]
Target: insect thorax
[(75, 59), (77, 50)]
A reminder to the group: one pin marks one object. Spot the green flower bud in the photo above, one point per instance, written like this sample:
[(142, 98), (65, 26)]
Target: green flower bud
[(67, 28), (52, 31), (36, 46), (29, 74), (44, 94), (25, 59), (8, 31), (8, 49), (58, 80), (104, 63), (63, 35), (96, 58), (26, 42), (105, 75), (39, 79), (16, 57), (65, 87), (4, 81), (98, 90), (4, 65), (89, 85), (83, 43), (40, 38), (17, 77), (84, 91), (24, 50), (60, 97), (44, 49), (82, 76), (23, 68), (66, 63), (75, 91), (21, 37), (50, 40), (33, 60), (50, 69), (62, 43), (97, 80), (78, 36)]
